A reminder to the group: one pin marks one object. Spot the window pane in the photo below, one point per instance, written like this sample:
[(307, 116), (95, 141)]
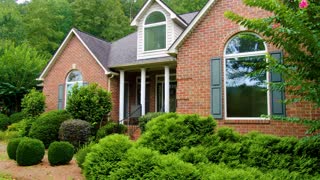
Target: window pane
[(155, 38), (155, 17), (245, 43), (74, 76), (246, 94)]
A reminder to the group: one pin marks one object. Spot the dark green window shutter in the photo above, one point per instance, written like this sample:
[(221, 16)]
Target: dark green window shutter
[(85, 83), (216, 88), (60, 96), (277, 97)]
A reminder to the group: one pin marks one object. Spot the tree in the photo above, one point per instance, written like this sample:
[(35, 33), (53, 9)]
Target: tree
[(19, 66), (296, 31), (47, 23), (104, 19), (33, 103), (185, 6), (131, 7)]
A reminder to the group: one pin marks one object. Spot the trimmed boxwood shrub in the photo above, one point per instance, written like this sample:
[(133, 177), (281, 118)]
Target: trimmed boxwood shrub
[(82, 153), (46, 127), (110, 128), (12, 147), (76, 132), (29, 152), (60, 153), (105, 156), (143, 120), (16, 117), (4, 122), (170, 132)]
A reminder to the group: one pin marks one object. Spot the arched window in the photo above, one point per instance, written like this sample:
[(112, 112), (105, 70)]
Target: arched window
[(246, 92), (73, 78), (155, 31)]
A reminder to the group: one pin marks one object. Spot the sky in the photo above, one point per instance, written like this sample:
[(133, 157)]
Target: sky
[(21, 1)]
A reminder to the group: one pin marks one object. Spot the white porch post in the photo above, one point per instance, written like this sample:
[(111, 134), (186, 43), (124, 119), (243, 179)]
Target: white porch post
[(143, 91), (166, 89), (121, 97)]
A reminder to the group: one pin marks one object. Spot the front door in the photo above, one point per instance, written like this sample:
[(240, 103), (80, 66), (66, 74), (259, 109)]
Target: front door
[(160, 93)]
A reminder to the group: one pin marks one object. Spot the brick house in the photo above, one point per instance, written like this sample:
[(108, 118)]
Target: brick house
[(189, 63)]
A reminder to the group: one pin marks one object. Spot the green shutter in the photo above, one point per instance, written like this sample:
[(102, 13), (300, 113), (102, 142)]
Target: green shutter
[(216, 88), (60, 96), (85, 83), (277, 97)]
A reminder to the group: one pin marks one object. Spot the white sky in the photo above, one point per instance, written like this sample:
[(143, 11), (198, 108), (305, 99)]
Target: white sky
[(21, 1)]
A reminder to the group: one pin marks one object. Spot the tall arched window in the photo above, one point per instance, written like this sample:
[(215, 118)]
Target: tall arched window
[(246, 93), (74, 77), (155, 31)]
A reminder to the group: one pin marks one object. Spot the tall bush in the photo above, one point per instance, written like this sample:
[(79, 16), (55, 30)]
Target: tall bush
[(46, 127), (33, 103), (90, 103)]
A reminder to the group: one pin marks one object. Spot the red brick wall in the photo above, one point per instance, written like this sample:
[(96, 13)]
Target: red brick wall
[(74, 53), (208, 40)]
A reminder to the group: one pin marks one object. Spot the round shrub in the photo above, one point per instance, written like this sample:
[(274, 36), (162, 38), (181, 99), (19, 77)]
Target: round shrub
[(143, 120), (12, 147), (29, 152), (82, 153), (60, 153), (16, 117), (105, 156), (46, 127), (111, 128), (4, 122), (76, 132)]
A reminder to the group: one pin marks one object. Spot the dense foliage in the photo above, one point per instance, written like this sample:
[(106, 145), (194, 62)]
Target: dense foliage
[(16, 117), (46, 126), (76, 132), (33, 103), (143, 120), (82, 153), (90, 103), (22, 127), (203, 153), (110, 128), (29, 152), (4, 122), (12, 147), (60, 153), (105, 156)]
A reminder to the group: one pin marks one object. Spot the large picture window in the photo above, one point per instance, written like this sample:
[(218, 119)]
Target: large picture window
[(246, 93), (73, 78), (155, 32)]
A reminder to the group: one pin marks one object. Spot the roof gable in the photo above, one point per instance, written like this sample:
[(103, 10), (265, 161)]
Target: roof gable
[(192, 25), (146, 6), (97, 48)]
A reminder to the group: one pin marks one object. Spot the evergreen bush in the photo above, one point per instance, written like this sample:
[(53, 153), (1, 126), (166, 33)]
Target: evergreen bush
[(22, 127), (46, 126), (105, 156), (30, 152), (143, 120), (4, 122), (33, 103), (60, 153), (16, 117), (82, 153), (12, 147), (110, 128), (76, 132)]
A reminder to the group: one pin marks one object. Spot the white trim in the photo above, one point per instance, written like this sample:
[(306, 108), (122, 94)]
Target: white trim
[(173, 48), (121, 96), (247, 54), (147, 4), (154, 25), (59, 51), (166, 89), (143, 91)]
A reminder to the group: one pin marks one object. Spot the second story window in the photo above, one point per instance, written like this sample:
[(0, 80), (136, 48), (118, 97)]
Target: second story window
[(155, 31)]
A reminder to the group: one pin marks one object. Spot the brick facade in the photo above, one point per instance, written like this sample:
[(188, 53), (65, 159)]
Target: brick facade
[(208, 40)]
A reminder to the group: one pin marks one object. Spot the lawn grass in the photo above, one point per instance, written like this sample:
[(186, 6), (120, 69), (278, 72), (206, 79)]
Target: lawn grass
[(4, 176)]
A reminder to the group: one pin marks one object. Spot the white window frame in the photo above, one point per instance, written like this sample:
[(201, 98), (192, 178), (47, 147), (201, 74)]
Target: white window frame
[(156, 89), (154, 25), (71, 83), (239, 55)]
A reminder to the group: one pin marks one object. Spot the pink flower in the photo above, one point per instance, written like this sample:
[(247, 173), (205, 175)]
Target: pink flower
[(303, 4)]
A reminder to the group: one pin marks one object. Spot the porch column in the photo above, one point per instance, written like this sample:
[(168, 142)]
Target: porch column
[(121, 97), (143, 91), (166, 89)]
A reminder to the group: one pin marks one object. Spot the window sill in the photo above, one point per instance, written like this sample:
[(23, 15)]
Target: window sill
[(251, 121)]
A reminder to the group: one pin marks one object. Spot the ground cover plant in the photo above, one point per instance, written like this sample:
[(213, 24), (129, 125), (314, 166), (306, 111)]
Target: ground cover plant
[(191, 147)]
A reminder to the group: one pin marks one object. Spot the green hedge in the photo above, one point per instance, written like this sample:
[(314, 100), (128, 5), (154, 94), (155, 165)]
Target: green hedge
[(105, 156), (143, 120), (60, 153), (17, 117), (46, 127), (110, 128), (29, 152), (77, 132), (82, 153)]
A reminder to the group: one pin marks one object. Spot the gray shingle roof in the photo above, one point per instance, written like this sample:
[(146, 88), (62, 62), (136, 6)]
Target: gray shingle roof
[(122, 51), (98, 47)]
